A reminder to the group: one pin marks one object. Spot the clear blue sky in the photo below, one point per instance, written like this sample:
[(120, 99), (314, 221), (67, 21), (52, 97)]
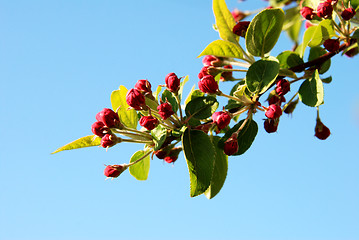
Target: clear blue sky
[(60, 61)]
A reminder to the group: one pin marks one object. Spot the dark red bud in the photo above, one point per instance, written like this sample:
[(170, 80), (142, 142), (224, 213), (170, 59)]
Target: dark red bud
[(99, 129), (321, 131), (274, 111), (114, 170), (275, 99), (240, 28), (271, 125), (225, 76), (283, 86), (160, 154), (143, 86), (170, 159), (165, 110), (108, 117), (221, 119), (172, 82), (348, 13), (108, 140), (325, 10), (208, 85), (148, 122), (307, 13), (231, 146), (332, 45), (135, 99)]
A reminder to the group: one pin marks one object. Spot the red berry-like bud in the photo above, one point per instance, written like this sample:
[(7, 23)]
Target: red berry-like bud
[(109, 140), (275, 99), (238, 15), (325, 10), (114, 170), (283, 86), (332, 45), (221, 119), (271, 125), (135, 99), (321, 131), (231, 146), (173, 155), (99, 129), (307, 13), (210, 60), (165, 110), (227, 75), (172, 82), (240, 28), (208, 85), (108, 117), (274, 111), (160, 154), (148, 122), (348, 13), (143, 86), (170, 159)]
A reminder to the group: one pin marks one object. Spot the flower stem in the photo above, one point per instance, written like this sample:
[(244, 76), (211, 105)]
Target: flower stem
[(138, 160)]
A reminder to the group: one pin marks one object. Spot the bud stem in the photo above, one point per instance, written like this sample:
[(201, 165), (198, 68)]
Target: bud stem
[(289, 102), (138, 160), (135, 136), (236, 63), (179, 106), (147, 135), (228, 96)]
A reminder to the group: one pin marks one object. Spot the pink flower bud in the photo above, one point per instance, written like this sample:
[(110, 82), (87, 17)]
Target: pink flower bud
[(240, 28), (283, 86), (208, 85), (109, 140), (99, 129), (231, 146), (321, 131), (114, 170), (238, 15), (271, 125), (226, 75), (221, 119), (274, 111), (325, 10), (108, 117), (210, 60), (165, 110), (173, 155), (348, 13), (170, 159), (307, 13), (332, 45), (172, 82), (148, 122), (143, 86), (135, 99)]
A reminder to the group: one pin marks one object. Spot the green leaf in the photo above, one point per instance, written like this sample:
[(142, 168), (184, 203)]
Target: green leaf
[(201, 107), (127, 116), (316, 52), (311, 92), (159, 135), (168, 96), (245, 137), (141, 169), (311, 3), (356, 34), (158, 90), (221, 48), (264, 30), (292, 23), (180, 91), (193, 94), (88, 141), (308, 34), (327, 80), (151, 103), (200, 156), (323, 31), (224, 21), (288, 59), (220, 169), (262, 74)]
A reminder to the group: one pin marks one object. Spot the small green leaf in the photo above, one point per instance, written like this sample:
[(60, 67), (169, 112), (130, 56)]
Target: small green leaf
[(262, 74), (308, 34), (324, 31), (263, 31), (151, 103), (168, 96), (180, 91), (192, 94), (327, 80), (316, 52), (200, 156), (221, 48), (292, 23), (88, 141), (158, 90), (219, 170), (224, 21), (141, 169), (288, 59), (311, 92), (311, 3), (118, 100), (159, 135), (201, 107), (356, 34)]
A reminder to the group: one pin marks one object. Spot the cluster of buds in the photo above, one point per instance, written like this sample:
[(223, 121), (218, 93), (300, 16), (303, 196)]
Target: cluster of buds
[(213, 66), (325, 10)]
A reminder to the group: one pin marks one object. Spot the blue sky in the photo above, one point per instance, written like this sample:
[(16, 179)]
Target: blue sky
[(60, 61)]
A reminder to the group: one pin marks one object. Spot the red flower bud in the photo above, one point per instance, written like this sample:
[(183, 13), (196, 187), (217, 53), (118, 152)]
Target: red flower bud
[(143, 86), (208, 85), (271, 125), (108, 117), (307, 13), (275, 99), (283, 86), (210, 60), (172, 82), (114, 170), (173, 155), (135, 99), (231, 146), (170, 159), (240, 28), (325, 10), (332, 45), (165, 110), (204, 127), (274, 111), (99, 129), (238, 15), (321, 131), (221, 119), (109, 140), (227, 75), (161, 154), (148, 122), (348, 13)]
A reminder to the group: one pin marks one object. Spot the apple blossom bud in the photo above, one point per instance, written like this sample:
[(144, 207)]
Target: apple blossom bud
[(283, 86), (173, 155), (208, 85), (109, 118), (109, 140), (240, 28), (291, 106), (114, 170), (143, 86), (148, 122), (271, 125), (307, 13), (275, 99), (172, 82), (325, 10), (99, 129), (210, 60), (321, 131), (221, 119), (135, 99), (226, 76), (348, 13), (274, 111), (161, 154), (332, 45), (238, 15), (165, 110), (231, 145)]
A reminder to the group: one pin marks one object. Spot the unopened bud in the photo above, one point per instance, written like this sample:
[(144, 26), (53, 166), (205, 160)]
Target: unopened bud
[(114, 171), (208, 84), (274, 111), (143, 86), (165, 110), (322, 132), (231, 145), (99, 129), (332, 45), (240, 28), (271, 125), (307, 13), (149, 122), (221, 119), (109, 140), (325, 10), (348, 13), (135, 99), (172, 82), (283, 86), (109, 118)]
